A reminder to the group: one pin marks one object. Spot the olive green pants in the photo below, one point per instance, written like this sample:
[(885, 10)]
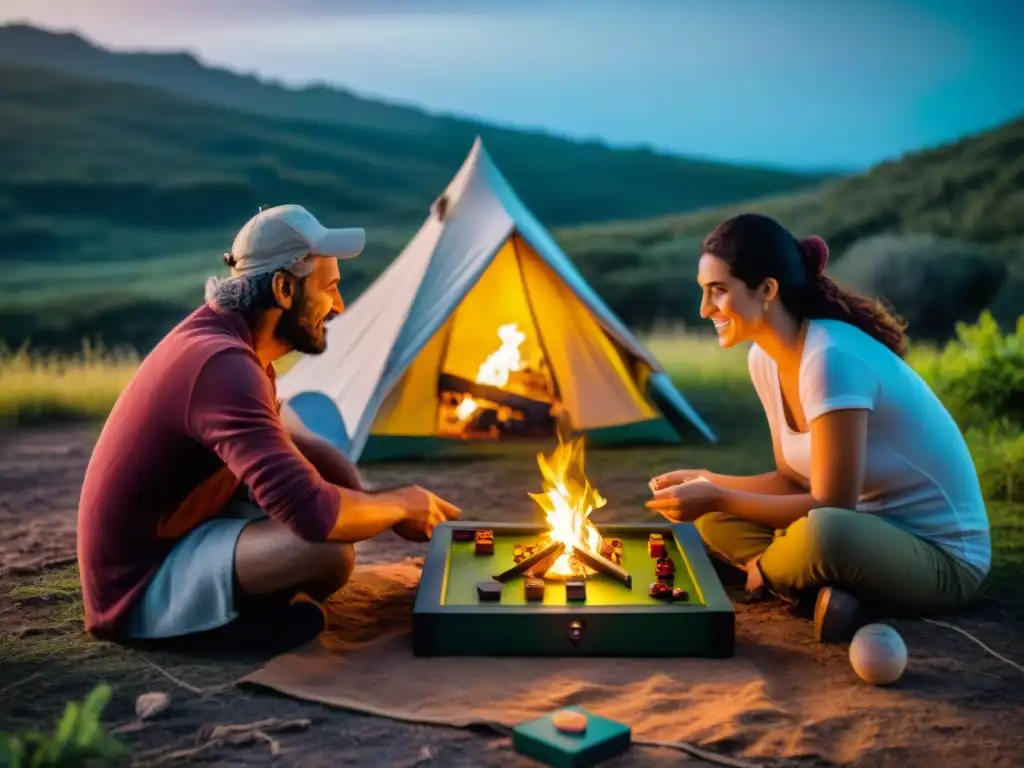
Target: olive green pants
[(855, 551)]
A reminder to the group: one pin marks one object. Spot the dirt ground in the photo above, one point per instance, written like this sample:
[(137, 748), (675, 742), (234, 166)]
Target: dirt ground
[(46, 660)]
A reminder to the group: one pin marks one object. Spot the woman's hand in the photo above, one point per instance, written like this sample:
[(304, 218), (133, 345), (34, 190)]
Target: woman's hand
[(677, 477), (688, 501)]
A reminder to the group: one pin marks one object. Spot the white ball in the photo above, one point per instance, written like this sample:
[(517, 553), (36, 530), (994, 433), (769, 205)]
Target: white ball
[(878, 654)]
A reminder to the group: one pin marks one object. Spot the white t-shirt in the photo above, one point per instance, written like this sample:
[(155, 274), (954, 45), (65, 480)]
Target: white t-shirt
[(919, 474)]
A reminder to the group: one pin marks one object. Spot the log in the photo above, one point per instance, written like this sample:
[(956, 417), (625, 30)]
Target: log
[(532, 410)]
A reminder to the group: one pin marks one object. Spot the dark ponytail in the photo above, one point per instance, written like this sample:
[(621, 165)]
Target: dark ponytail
[(757, 247)]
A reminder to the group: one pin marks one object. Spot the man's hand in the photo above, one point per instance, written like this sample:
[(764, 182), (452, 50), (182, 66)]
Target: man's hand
[(423, 512), (688, 501), (677, 477)]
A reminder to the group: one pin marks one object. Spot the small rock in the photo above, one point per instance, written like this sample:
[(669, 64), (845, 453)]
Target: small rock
[(149, 705)]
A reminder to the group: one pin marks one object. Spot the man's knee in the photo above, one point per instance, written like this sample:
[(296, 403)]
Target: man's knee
[(332, 564), (269, 559)]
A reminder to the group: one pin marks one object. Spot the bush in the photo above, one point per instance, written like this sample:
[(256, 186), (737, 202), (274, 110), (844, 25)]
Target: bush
[(933, 283), (979, 376), (79, 739)]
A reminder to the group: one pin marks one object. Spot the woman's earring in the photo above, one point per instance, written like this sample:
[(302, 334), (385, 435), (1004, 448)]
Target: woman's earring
[(766, 307)]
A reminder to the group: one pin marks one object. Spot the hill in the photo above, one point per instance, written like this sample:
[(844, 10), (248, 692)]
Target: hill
[(940, 226), (406, 152), (939, 233)]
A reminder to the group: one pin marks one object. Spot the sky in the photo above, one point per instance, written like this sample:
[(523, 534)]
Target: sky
[(815, 84)]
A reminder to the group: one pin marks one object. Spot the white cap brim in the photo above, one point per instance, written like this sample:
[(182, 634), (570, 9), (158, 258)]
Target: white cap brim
[(341, 243)]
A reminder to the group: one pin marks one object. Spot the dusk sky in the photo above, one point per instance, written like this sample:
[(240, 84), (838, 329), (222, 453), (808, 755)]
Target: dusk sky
[(805, 83)]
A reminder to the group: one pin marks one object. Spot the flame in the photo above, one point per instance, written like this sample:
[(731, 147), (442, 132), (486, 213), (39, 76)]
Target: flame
[(568, 499), (496, 368)]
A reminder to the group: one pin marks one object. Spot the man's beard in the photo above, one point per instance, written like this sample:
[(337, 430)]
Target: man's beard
[(299, 330)]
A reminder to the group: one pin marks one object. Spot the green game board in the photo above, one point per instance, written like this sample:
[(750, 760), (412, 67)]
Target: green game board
[(450, 619)]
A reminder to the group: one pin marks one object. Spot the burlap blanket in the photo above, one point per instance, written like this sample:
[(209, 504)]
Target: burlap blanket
[(750, 706)]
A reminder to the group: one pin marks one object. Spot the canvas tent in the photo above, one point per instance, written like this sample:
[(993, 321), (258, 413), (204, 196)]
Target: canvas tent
[(481, 265)]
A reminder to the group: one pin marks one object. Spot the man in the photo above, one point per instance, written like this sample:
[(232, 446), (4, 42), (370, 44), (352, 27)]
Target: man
[(170, 543)]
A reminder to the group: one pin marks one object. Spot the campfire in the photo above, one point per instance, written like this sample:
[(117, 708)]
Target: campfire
[(508, 396), (572, 548)]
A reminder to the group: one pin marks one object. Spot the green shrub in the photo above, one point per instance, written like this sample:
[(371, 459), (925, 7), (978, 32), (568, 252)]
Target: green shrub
[(932, 282), (979, 376), (999, 458), (79, 739)]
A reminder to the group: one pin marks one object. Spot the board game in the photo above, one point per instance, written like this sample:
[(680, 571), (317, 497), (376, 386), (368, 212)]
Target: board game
[(489, 589)]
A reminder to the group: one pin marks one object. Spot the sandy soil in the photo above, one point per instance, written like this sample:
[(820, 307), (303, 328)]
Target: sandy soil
[(968, 706)]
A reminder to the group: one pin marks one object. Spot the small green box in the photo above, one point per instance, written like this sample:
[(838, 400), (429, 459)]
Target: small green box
[(539, 739)]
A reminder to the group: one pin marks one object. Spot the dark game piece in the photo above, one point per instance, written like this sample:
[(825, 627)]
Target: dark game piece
[(660, 590), (680, 594), (489, 591), (463, 534), (576, 590), (485, 542), (534, 589), (656, 545)]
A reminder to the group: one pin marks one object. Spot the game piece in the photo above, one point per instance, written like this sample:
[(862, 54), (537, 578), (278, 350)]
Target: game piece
[(616, 544), (660, 590), (541, 740), (569, 721), (656, 545), (489, 591), (616, 557), (576, 590), (680, 594), (463, 534), (665, 569), (534, 589), (485, 542)]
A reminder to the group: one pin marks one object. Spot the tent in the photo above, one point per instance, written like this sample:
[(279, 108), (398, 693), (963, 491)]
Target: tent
[(483, 306)]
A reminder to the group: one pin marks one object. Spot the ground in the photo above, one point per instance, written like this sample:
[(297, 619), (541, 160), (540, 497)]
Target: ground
[(47, 660)]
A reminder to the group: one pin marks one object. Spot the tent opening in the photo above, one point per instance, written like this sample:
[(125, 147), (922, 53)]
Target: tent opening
[(495, 381)]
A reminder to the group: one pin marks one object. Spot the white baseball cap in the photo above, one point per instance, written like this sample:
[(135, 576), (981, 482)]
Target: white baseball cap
[(281, 236)]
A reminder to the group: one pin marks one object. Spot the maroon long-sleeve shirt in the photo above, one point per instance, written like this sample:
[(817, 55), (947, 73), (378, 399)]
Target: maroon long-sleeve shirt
[(199, 417)]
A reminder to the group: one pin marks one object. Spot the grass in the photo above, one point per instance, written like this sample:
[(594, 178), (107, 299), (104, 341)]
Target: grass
[(38, 389)]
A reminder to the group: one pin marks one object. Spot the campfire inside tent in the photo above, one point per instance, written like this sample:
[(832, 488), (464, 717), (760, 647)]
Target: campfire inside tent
[(512, 393)]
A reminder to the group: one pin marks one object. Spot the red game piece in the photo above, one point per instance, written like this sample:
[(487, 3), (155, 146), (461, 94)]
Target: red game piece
[(660, 591), (656, 545), (485, 542), (680, 594), (665, 569)]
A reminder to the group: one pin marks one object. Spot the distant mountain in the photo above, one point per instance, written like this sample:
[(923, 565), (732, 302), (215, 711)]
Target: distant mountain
[(565, 181)]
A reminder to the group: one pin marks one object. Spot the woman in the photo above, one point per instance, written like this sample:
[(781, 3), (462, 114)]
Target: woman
[(875, 501)]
